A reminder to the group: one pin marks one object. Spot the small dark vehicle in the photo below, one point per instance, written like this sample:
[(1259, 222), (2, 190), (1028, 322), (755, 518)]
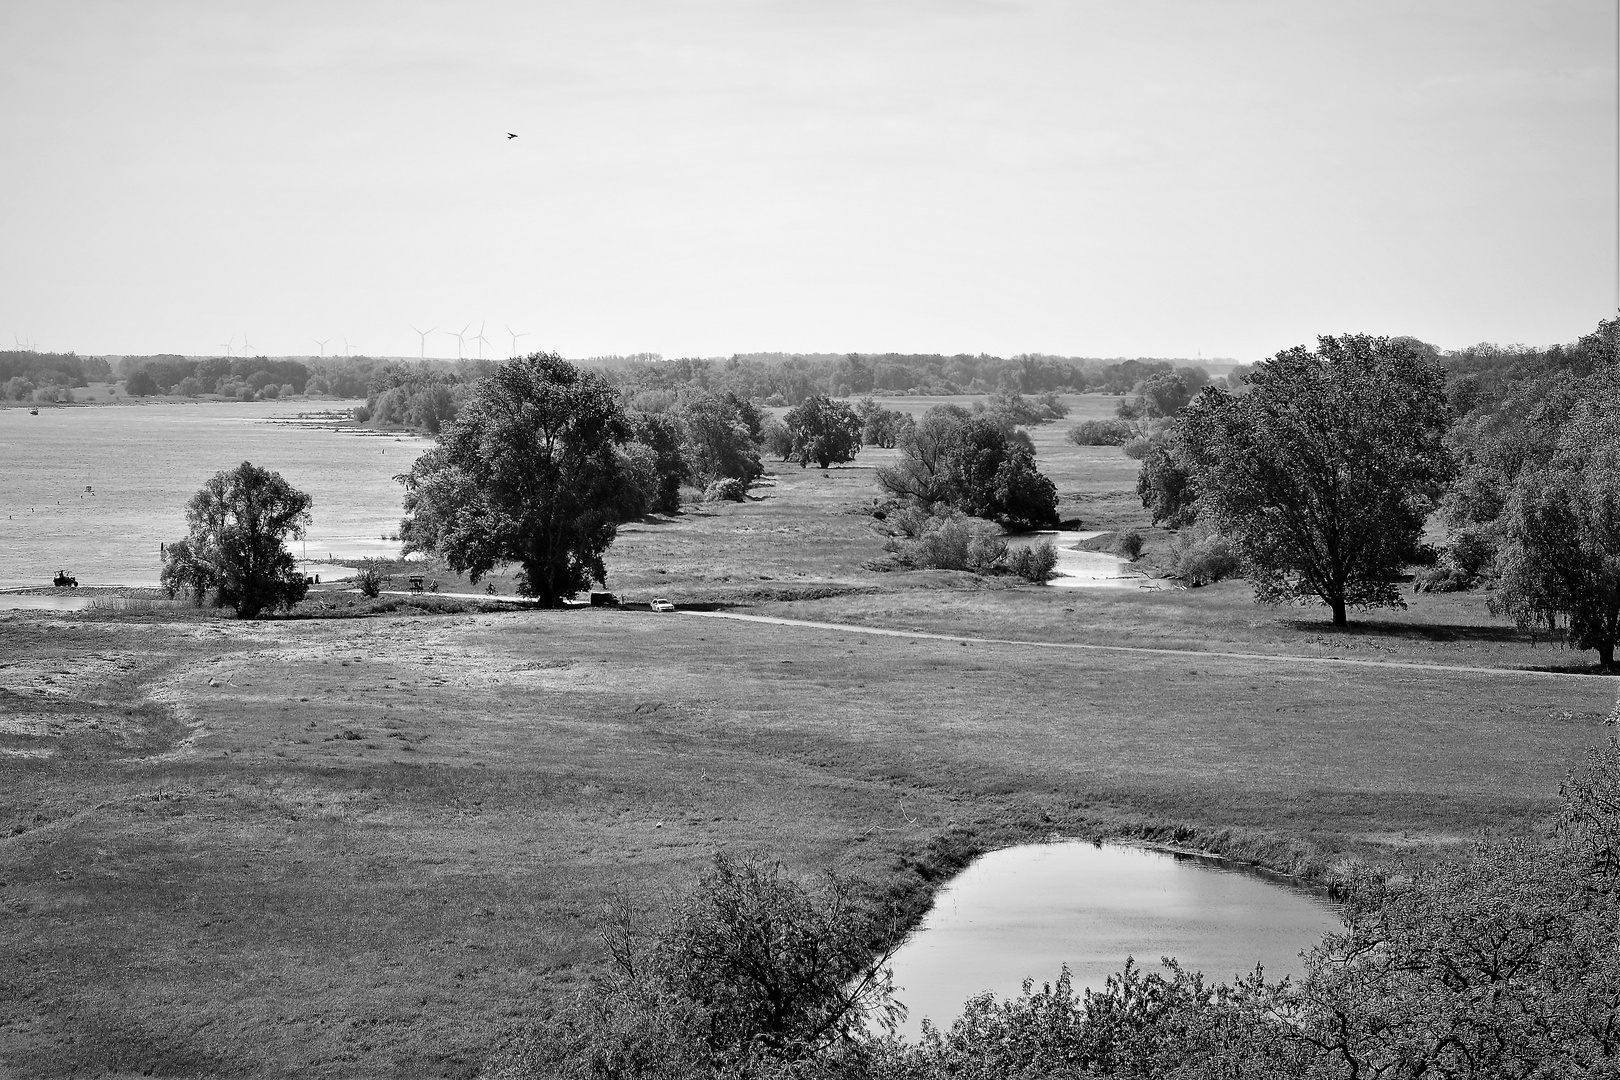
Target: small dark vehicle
[(604, 599), (64, 580)]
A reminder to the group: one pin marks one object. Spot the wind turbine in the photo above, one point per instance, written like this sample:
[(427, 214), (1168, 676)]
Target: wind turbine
[(481, 339), (345, 347), (230, 346), (460, 338), (322, 344), (515, 336), (247, 350), (422, 346)]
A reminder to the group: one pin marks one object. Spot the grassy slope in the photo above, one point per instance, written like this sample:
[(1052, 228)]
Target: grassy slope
[(359, 847)]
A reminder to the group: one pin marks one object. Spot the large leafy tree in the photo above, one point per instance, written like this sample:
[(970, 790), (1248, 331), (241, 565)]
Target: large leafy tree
[(718, 437), (529, 473), (1165, 485), (824, 431), (661, 436), (975, 464), (235, 546), (1558, 537), (1324, 473)]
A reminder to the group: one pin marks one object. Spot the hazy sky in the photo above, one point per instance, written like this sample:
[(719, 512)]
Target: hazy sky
[(1095, 177)]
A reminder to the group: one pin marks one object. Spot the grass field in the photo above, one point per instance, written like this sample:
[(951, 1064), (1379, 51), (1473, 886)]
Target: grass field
[(363, 847)]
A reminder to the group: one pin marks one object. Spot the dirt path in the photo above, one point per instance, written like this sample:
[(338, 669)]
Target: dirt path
[(1293, 658)]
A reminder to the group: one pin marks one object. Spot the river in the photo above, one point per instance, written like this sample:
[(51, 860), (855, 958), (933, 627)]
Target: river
[(95, 489)]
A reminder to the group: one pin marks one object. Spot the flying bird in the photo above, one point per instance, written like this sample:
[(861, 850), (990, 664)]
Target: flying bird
[(509, 135)]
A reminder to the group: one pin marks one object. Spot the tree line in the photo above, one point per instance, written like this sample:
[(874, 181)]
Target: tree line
[(248, 378), (780, 379), (26, 375)]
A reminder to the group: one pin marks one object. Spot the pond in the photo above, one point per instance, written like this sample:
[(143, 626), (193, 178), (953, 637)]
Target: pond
[(1022, 912)]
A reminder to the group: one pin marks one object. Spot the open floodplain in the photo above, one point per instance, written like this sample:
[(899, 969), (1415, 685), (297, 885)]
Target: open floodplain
[(366, 846)]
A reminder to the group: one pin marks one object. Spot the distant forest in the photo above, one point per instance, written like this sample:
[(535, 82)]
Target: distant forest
[(773, 378), (1477, 374), (25, 374)]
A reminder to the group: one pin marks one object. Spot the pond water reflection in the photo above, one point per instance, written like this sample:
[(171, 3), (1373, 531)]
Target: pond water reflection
[(1022, 912)]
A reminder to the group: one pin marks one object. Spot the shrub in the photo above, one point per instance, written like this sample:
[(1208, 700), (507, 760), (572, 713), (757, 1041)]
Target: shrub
[(947, 541), (1463, 564), (1034, 562), (370, 579), (725, 489), (778, 439), (1204, 558), (1102, 433), (1137, 448), (1128, 544), (752, 969)]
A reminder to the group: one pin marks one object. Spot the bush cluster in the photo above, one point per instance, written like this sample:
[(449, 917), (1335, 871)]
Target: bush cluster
[(752, 971), (1128, 544), (1204, 557), (725, 489), (1462, 564), (943, 539), (1102, 433), (1034, 562)]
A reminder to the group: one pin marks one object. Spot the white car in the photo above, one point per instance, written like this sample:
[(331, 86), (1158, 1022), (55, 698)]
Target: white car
[(660, 604)]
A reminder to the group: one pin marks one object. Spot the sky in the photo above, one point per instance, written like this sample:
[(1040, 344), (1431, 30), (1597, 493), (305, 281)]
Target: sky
[(1224, 178)]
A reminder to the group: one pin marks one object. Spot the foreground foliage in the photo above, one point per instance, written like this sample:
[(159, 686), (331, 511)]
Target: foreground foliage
[(1504, 963), (235, 547), (751, 970)]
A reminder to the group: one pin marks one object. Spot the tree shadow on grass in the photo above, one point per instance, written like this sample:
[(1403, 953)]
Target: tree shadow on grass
[(1571, 669), (1415, 631), (658, 518)]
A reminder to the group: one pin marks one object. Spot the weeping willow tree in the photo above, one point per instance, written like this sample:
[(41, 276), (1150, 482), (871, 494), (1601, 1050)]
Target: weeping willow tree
[(1558, 560)]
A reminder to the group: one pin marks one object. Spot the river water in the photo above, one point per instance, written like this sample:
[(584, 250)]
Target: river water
[(1083, 569), (1022, 912), (95, 489)]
